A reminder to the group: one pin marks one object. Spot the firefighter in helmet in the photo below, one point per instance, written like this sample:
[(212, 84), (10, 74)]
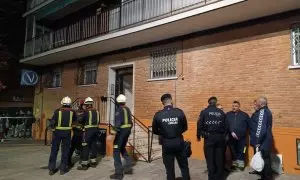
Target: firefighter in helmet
[(122, 130), (90, 122), (62, 123), (77, 134)]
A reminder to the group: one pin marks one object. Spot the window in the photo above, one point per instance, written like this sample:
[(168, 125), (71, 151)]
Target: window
[(57, 78), (52, 78), (87, 73), (296, 46), (163, 63)]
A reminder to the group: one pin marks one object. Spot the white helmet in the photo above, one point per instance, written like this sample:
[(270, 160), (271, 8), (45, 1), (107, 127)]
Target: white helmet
[(121, 98), (88, 100), (66, 101)]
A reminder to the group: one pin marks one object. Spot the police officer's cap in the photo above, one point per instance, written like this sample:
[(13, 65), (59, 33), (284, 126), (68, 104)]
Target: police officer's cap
[(213, 98), (165, 97)]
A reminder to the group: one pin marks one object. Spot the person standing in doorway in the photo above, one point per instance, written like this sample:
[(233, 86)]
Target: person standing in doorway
[(238, 126), (213, 127), (170, 124)]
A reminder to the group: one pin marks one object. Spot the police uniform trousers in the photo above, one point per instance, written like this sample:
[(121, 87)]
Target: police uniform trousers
[(76, 143), (238, 150), (120, 142), (171, 149), (89, 140), (64, 137), (214, 146)]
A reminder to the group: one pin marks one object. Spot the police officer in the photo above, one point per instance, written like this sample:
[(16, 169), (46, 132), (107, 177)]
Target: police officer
[(90, 121), (213, 127), (77, 134), (61, 122), (122, 130), (170, 123)]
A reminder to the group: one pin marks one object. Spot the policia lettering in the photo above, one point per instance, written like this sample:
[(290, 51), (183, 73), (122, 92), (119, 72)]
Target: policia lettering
[(170, 123), (122, 130), (61, 122)]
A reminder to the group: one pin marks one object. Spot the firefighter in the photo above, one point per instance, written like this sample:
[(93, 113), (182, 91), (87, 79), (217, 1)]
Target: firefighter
[(90, 121), (62, 123), (122, 130), (170, 123), (77, 134), (213, 127)]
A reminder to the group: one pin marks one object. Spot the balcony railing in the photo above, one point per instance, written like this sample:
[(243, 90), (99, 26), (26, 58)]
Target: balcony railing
[(33, 3), (129, 14)]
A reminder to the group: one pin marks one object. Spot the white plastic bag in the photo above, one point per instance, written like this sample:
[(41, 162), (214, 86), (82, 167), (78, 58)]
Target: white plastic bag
[(257, 162)]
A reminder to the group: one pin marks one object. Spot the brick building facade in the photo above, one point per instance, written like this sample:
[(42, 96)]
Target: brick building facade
[(236, 62)]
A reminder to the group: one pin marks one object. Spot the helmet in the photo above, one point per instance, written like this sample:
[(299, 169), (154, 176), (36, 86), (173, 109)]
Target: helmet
[(66, 101), (88, 100), (121, 98)]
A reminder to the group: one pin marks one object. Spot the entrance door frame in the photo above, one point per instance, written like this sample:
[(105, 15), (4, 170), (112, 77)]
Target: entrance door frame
[(112, 78)]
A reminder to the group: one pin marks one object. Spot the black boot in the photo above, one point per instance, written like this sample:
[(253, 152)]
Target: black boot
[(116, 176), (83, 167), (52, 172), (63, 172), (94, 164)]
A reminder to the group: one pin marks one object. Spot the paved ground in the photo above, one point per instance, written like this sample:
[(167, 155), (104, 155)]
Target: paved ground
[(27, 160)]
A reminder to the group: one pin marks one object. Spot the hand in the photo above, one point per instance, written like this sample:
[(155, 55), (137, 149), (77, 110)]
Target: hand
[(110, 137), (234, 136), (257, 145)]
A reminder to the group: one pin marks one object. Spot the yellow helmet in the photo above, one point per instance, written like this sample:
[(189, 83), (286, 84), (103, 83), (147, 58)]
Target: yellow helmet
[(88, 100), (121, 98), (66, 101)]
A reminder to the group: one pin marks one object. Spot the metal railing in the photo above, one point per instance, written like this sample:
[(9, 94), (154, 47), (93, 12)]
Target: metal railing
[(138, 127), (129, 14), (34, 3), (18, 126)]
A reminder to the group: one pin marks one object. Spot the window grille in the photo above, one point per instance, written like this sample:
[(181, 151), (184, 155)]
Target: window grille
[(163, 63), (296, 45), (87, 73)]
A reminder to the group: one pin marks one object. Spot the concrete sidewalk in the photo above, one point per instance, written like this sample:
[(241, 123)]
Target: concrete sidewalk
[(29, 162)]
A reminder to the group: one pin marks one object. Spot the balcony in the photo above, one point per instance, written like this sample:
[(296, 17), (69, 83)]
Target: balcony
[(139, 22)]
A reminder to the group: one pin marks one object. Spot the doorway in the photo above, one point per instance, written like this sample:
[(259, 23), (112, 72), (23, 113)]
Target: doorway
[(120, 81)]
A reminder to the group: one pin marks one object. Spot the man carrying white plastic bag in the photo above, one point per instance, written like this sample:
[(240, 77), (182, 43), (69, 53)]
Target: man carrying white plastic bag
[(261, 138), (257, 162)]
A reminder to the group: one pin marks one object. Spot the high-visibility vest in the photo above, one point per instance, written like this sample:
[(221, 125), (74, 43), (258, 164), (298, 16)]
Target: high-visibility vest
[(90, 123), (59, 126)]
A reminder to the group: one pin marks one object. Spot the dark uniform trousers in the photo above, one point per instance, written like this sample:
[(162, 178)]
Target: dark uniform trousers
[(214, 146), (59, 136), (171, 149), (238, 149), (120, 142), (76, 143), (89, 140)]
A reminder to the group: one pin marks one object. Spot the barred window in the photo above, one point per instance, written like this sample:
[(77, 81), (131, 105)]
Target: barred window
[(163, 63), (296, 45), (52, 78), (87, 73), (57, 77)]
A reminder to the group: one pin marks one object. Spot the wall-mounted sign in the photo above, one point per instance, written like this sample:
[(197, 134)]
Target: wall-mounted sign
[(29, 78)]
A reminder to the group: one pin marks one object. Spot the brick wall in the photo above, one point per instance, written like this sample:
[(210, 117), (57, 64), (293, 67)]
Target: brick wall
[(238, 64)]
